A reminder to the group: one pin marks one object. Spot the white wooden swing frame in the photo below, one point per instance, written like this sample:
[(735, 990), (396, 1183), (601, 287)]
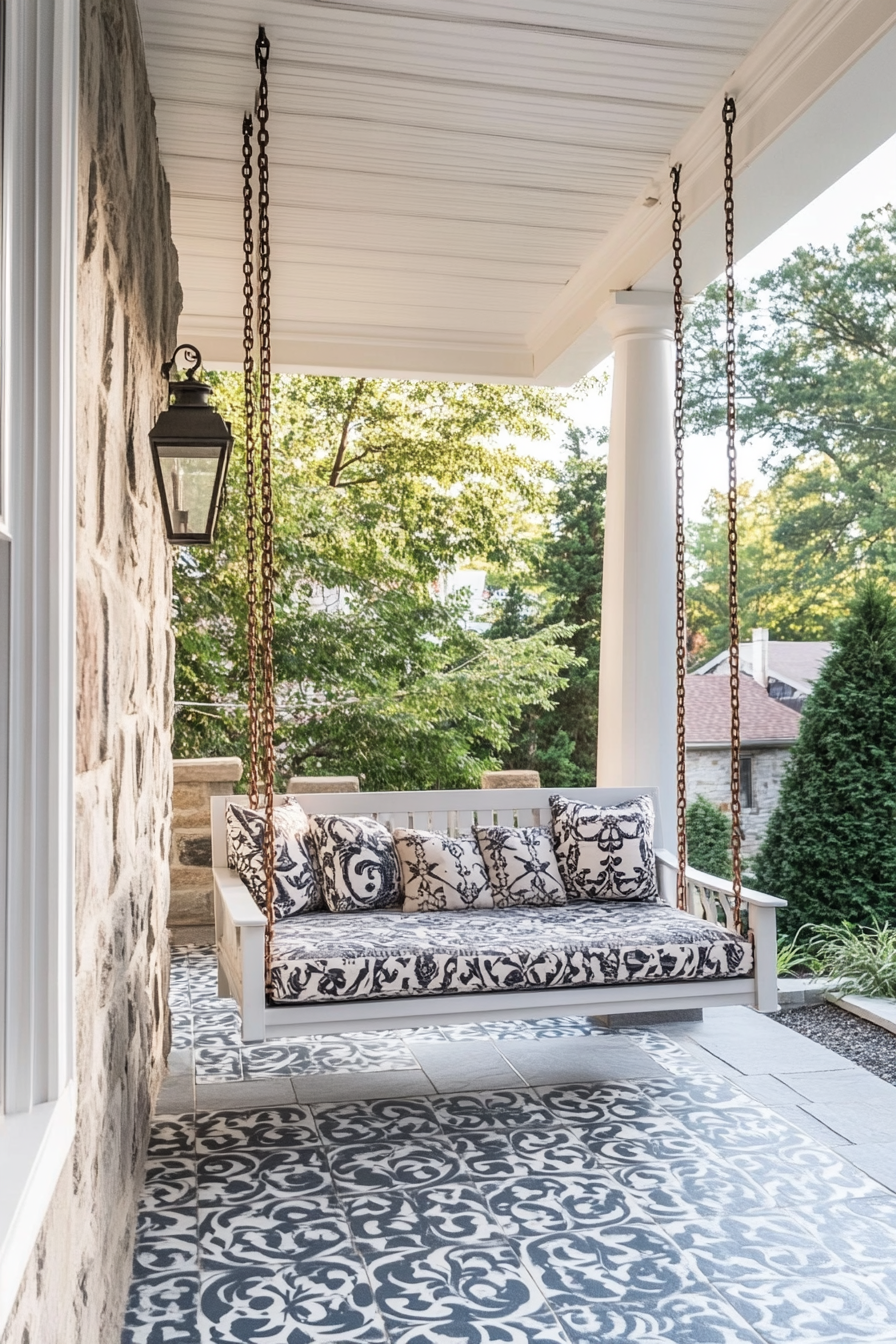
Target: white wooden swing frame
[(240, 928)]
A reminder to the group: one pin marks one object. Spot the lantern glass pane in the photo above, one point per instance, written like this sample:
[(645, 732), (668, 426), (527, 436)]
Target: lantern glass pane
[(189, 476)]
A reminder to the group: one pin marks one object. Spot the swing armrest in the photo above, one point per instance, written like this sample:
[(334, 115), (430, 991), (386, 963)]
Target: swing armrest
[(667, 860), (241, 909)]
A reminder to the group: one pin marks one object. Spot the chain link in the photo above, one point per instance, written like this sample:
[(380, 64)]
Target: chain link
[(681, 636), (262, 53), (729, 113), (251, 463)]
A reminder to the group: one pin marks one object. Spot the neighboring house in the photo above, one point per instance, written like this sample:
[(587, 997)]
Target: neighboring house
[(768, 731), (788, 668)]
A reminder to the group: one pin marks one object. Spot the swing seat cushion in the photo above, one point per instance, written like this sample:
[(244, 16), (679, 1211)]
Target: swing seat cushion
[(322, 958)]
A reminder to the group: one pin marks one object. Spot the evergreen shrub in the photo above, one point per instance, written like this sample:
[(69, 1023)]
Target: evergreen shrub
[(709, 838), (830, 848)]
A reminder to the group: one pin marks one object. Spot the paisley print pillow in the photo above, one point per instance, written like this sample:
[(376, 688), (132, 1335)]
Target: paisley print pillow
[(296, 889), (356, 861), (441, 872), (605, 853), (521, 865)]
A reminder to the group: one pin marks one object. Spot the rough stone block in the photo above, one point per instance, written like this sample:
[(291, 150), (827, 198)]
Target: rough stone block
[(191, 907), (205, 769), (511, 779), (324, 784), (193, 850)]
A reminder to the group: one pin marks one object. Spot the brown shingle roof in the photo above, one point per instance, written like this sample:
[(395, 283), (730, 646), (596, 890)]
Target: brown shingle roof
[(708, 714)]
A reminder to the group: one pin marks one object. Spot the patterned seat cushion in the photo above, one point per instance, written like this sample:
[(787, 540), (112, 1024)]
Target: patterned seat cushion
[(605, 852), (296, 888), (390, 954)]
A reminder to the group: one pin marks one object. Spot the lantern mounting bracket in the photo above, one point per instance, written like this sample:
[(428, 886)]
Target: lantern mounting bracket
[(195, 359)]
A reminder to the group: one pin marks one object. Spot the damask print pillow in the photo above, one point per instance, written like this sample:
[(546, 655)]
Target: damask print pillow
[(296, 889), (441, 872), (521, 865), (356, 861), (605, 853)]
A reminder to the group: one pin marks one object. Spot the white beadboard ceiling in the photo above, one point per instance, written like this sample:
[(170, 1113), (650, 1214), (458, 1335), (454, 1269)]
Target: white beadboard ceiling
[(443, 172)]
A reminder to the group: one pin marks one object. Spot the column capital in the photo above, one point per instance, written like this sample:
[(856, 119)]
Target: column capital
[(637, 312)]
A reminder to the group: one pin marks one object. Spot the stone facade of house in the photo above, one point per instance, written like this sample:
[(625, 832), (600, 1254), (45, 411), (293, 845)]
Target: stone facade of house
[(709, 774), (75, 1287), (191, 914)]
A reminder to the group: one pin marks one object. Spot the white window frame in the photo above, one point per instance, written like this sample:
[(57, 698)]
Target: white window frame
[(38, 256)]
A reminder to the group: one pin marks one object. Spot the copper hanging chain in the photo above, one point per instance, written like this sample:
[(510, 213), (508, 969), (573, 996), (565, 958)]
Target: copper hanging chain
[(251, 465), (262, 53), (681, 636), (729, 113)]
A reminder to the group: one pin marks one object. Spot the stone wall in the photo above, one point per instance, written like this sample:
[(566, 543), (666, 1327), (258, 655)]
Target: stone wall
[(191, 915), (709, 774), (128, 302)]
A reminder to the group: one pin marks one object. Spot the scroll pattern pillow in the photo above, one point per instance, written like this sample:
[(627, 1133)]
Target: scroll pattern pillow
[(296, 889), (441, 872), (521, 865), (605, 853), (356, 862)]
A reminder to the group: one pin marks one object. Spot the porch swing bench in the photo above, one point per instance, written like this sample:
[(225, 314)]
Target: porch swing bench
[(362, 972)]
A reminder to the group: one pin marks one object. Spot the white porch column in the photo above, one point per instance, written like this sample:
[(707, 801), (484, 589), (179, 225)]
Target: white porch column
[(636, 726)]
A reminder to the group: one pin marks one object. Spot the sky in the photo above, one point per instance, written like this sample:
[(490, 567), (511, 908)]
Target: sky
[(825, 222)]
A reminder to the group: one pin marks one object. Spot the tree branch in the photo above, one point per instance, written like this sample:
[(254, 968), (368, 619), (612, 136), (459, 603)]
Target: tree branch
[(339, 461)]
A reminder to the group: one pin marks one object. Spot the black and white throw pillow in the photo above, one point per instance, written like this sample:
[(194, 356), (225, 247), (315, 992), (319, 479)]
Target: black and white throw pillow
[(296, 889), (605, 853), (441, 872), (357, 864), (521, 865)]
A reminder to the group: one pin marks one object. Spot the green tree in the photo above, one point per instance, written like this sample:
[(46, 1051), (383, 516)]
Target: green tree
[(380, 488), (709, 838), (816, 383), (830, 848), (566, 569)]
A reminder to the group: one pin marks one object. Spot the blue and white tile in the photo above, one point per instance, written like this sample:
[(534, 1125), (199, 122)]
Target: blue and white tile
[(276, 1127), (463, 1031), (307, 1303), (162, 1309), (537, 1327), (677, 1189), (483, 1112), (643, 1141), (833, 1309), (516, 1152), (245, 1178), (731, 1249), (167, 1241), (801, 1172), (537, 1204), (287, 1229), (420, 1035), (169, 1182), (274, 1061), (541, 1028), (609, 1264), (861, 1232), (392, 1120), (391, 1220), (365, 1052), (473, 1292), (738, 1129), (361, 1169), (172, 1136), (218, 1064), (588, 1103), (687, 1094), (689, 1318)]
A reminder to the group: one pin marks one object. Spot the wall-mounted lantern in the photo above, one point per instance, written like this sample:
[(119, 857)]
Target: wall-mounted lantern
[(190, 450)]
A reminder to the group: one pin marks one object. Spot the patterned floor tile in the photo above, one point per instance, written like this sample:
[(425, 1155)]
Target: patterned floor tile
[(455, 1288), (834, 1309), (482, 1112), (801, 1172), (166, 1241), (290, 1229), (168, 1183), (496, 1156), (419, 1034), (687, 1094), (409, 1219), (738, 1129), (689, 1318), (245, 1178), (361, 1169), (609, 1264), (539, 1327), (642, 1141), (585, 1103), (541, 1028), (172, 1136), (537, 1204), (683, 1187), (278, 1127), (162, 1309), (861, 1232), (732, 1249), (291, 1304), (215, 1064), (387, 1121), (361, 1053), (463, 1031)]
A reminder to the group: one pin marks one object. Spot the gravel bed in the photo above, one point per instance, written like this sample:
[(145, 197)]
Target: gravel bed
[(862, 1042)]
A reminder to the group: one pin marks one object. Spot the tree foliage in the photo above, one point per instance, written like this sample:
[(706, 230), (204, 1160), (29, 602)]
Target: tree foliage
[(380, 487), (830, 848), (709, 838)]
